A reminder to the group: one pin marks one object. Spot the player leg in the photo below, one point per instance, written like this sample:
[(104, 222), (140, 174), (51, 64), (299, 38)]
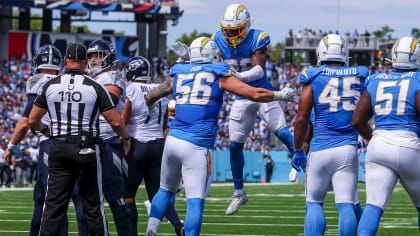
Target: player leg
[(169, 180), (40, 187), (357, 207), (242, 118), (197, 175), (318, 180), (274, 116), (409, 174), (113, 185), (380, 182), (344, 182), (136, 167), (152, 179)]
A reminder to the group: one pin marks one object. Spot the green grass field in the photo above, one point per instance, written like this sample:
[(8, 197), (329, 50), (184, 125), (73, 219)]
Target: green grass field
[(271, 210)]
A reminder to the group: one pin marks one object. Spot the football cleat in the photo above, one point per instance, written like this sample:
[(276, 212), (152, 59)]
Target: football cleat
[(180, 231), (237, 201), (293, 175)]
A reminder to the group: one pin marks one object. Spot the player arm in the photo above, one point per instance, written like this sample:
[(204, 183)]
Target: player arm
[(165, 124), (35, 120), (126, 114), (115, 92), (306, 102), (361, 116), (22, 126), (160, 91), (258, 61), (418, 101), (308, 137)]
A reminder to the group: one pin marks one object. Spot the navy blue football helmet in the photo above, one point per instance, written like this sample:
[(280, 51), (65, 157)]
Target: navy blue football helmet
[(105, 57), (138, 68), (47, 57)]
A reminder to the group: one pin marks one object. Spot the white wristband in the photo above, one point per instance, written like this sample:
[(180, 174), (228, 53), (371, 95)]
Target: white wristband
[(10, 146)]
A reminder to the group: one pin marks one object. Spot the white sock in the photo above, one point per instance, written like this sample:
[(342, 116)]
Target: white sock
[(153, 224), (239, 191)]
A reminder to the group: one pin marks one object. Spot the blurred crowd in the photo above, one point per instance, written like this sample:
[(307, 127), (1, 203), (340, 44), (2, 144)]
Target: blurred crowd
[(140, 2)]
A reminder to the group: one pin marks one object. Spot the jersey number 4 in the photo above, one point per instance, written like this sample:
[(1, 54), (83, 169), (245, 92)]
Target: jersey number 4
[(199, 94), (330, 94)]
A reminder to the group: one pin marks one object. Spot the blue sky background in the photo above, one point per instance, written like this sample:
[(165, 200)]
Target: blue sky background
[(277, 16)]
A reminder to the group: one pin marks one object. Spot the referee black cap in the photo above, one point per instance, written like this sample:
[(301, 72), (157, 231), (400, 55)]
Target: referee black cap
[(76, 52)]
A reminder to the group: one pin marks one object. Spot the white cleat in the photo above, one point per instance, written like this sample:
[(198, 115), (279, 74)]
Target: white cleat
[(150, 233), (237, 201), (147, 205), (292, 175)]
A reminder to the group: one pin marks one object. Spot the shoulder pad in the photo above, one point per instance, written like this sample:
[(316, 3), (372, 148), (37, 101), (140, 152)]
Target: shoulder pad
[(261, 39), (222, 69), (363, 71), (107, 78), (308, 74), (176, 69), (34, 84)]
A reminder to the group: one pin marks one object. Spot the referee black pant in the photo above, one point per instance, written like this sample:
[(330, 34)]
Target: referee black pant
[(65, 165)]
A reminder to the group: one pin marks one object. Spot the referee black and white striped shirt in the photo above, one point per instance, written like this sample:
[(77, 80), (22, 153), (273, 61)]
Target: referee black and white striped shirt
[(74, 102)]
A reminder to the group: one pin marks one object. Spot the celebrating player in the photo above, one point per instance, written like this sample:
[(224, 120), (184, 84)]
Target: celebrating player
[(334, 91), (47, 64), (145, 156), (101, 56), (245, 50), (394, 150), (198, 90)]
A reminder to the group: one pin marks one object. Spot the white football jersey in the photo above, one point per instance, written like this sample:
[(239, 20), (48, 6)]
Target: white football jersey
[(33, 153), (33, 86), (142, 126), (110, 78)]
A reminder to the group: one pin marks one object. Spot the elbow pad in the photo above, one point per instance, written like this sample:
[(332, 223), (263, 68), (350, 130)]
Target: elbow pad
[(255, 73)]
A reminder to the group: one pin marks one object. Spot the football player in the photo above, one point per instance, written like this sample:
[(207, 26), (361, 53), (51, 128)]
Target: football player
[(146, 129), (101, 56), (198, 90), (393, 152), (245, 50), (334, 91), (47, 64)]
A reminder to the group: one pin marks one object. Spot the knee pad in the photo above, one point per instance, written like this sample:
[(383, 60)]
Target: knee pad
[(237, 137), (314, 219), (369, 222), (347, 222)]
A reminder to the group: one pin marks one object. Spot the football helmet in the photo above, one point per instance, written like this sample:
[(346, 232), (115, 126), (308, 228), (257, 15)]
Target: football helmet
[(137, 68), (204, 50), (406, 53), (105, 56), (332, 48), (47, 57), (235, 24)]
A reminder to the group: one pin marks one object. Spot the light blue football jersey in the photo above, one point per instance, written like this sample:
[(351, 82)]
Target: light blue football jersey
[(393, 100), (240, 57), (198, 101), (336, 92)]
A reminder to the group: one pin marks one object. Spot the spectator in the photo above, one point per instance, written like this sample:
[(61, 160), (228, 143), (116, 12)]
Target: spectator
[(33, 153), (21, 162), (5, 177), (269, 166)]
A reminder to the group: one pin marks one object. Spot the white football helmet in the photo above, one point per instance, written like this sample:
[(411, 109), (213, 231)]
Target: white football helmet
[(332, 48), (204, 50), (235, 24), (406, 53)]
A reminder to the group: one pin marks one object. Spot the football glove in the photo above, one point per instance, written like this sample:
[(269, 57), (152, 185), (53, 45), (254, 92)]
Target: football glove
[(287, 94), (299, 160), (182, 50)]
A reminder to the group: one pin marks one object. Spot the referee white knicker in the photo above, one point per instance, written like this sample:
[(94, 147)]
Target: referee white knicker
[(74, 102)]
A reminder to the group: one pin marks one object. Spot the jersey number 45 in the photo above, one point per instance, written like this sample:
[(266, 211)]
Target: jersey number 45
[(330, 93)]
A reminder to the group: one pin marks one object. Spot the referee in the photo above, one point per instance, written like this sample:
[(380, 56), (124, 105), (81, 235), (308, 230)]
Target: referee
[(74, 102)]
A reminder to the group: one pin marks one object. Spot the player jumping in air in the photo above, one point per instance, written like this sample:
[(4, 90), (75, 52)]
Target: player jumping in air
[(245, 50)]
